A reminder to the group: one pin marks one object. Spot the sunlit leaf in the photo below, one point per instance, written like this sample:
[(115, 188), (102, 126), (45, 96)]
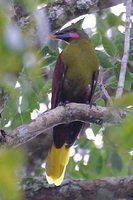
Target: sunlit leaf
[(114, 20)]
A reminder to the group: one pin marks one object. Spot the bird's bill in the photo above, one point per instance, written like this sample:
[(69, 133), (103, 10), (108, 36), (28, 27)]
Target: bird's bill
[(61, 36), (64, 35)]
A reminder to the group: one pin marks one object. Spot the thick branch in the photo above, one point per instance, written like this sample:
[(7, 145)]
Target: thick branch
[(59, 115), (59, 12), (108, 188), (64, 11)]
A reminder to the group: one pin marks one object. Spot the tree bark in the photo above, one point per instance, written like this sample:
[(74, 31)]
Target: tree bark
[(64, 11), (61, 115), (61, 11), (110, 188)]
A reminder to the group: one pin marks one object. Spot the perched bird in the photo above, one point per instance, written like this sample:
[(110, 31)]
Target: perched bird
[(74, 80)]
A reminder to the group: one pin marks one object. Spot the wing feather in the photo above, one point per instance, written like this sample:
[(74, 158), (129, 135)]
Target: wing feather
[(57, 83)]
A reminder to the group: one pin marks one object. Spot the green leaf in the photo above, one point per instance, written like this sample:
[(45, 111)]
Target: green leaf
[(118, 39), (125, 100), (128, 77), (95, 128), (127, 85), (82, 143), (100, 102), (130, 166), (109, 46), (77, 24), (45, 89), (122, 135), (114, 20), (16, 120), (96, 39), (21, 118), (95, 162), (104, 59), (116, 160), (10, 161), (9, 111), (113, 82), (117, 67)]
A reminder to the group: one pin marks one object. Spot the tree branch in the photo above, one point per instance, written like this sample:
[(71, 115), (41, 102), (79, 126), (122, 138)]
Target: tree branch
[(61, 11), (107, 188), (122, 75), (59, 115), (64, 11)]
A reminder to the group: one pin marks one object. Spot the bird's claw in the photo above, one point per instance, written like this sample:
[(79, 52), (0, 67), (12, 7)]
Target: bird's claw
[(90, 103), (63, 103)]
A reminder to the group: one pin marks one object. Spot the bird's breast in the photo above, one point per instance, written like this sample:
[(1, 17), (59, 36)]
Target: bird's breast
[(81, 62)]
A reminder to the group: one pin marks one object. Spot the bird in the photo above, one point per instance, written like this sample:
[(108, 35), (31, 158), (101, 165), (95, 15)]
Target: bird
[(74, 80)]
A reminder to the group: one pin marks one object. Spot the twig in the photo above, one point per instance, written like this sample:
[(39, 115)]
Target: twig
[(101, 82), (105, 92), (121, 81)]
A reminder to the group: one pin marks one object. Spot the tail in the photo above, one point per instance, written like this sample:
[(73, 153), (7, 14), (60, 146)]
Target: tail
[(56, 164)]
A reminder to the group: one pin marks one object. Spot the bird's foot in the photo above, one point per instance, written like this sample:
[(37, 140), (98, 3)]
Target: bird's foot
[(87, 102), (63, 103), (90, 103), (66, 102)]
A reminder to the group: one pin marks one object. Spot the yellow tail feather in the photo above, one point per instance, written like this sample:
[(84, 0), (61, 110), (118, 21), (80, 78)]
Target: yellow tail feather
[(56, 164)]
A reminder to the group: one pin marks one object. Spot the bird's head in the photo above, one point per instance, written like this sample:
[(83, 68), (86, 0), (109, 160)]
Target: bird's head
[(69, 34)]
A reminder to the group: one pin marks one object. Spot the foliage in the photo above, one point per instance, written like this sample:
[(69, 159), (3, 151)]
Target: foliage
[(26, 73), (113, 157), (10, 162)]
